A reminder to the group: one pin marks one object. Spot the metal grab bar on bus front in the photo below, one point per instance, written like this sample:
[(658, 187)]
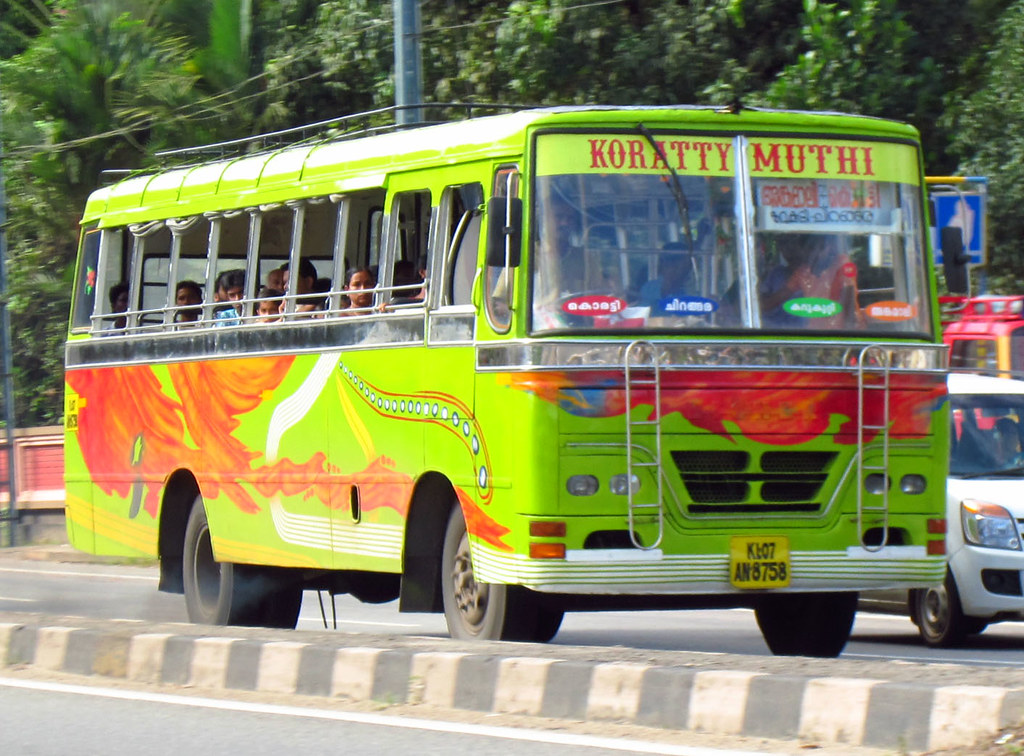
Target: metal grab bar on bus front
[(648, 358), (876, 360)]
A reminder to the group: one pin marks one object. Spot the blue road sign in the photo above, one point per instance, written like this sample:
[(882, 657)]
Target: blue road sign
[(965, 210)]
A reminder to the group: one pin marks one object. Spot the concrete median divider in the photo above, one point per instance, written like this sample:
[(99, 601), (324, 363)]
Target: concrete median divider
[(911, 713)]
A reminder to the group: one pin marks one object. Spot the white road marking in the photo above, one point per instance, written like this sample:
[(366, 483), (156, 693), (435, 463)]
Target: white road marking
[(79, 573), (378, 720), (11, 598)]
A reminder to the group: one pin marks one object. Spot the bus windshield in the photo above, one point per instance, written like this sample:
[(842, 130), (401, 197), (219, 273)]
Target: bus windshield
[(790, 239)]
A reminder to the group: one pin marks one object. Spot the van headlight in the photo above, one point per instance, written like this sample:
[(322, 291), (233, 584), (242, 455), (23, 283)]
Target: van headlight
[(989, 525)]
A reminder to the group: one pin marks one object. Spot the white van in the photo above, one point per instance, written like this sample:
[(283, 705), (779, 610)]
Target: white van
[(984, 509)]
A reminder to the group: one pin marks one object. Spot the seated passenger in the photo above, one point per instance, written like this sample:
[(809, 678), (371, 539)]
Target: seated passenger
[(1005, 447), (230, 288), (675, 279), (118, 303), (305, 284), (270, 305), (188, 293), (408, 284), (361, 282)]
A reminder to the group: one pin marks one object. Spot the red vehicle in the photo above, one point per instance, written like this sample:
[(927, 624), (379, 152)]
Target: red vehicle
[(985, 333)]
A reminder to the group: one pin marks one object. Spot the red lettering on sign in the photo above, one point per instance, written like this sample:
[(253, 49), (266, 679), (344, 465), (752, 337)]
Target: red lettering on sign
[(769, 162), (723, 154), (822, 151), (597, 153), (795, 160), (636, 154), (616, 153), (680, 149)]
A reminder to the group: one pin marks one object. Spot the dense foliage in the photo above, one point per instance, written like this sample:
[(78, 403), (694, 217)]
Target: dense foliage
[(95, 85)]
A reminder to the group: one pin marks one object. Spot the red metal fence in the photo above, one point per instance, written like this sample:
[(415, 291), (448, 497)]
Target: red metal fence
[(38, 467)]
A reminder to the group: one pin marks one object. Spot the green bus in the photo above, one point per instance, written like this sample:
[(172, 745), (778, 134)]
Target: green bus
[(554, 359)]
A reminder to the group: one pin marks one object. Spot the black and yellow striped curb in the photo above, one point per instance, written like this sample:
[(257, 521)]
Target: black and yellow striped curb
[(905, 715)]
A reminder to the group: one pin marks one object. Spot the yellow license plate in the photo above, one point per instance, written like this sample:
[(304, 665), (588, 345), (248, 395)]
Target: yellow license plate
[(759, 561)]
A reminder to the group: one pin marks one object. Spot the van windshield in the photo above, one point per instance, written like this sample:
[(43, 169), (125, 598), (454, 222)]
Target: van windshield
[(985, 437)]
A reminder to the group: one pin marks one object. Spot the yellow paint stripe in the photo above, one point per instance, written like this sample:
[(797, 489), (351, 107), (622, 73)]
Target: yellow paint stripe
[(355, 423), (136, 536), (226, 550)]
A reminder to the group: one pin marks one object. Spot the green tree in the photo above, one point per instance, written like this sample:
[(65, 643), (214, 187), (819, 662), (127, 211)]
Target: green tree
[(989, 137), (89, 93)]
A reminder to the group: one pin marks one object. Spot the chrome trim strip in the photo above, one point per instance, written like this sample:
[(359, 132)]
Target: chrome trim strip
[(703, 354)]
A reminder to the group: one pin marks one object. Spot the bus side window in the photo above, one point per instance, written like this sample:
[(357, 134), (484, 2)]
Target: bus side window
[(498, 279), (358, 219), (317, 244), (187, 270), (86, 283), (458, 240), (151, 268), (276, 232), (106, 253), (410, 227)]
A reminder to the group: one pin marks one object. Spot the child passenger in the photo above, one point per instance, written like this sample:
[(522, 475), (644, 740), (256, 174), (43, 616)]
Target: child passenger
[(270, 305)]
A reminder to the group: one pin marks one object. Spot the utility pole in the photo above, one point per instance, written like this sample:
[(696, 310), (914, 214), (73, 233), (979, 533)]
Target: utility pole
[(408, 62), (10, 517)]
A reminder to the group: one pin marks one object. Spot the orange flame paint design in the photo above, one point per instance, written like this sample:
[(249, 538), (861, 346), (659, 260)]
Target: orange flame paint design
[(122, 403), (482, 525), (773, 408)]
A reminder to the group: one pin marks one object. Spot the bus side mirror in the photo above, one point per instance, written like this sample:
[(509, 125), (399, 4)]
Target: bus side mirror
[(504, 231), (954, 261)]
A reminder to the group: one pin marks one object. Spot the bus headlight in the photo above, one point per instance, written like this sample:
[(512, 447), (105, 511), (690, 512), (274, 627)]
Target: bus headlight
[(582, 485), (913, 484), (989, 525), (619, 484)]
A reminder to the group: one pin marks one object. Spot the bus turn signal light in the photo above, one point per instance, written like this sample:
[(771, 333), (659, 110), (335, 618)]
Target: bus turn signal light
[(547, 551), (937, 548), (937, 526), (547, 529)]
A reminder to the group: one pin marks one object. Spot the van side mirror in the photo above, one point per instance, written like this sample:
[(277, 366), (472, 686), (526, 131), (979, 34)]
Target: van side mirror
[(954, 261), (504, 231)]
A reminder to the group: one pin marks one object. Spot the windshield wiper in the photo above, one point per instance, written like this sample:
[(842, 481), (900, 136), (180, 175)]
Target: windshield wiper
[(675, 185)]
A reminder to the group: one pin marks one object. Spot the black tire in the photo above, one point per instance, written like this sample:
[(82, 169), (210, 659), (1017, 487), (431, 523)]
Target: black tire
[(487, 611), (222, 593), (806, 624), (940, 617)]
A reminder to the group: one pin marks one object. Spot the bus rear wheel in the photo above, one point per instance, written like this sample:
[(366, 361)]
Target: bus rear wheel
[(806, 624), (222, 593), (488, 611)]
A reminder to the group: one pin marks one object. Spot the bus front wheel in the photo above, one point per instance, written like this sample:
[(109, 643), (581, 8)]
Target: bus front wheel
[(222, 593), (488, 611), (806, 624)]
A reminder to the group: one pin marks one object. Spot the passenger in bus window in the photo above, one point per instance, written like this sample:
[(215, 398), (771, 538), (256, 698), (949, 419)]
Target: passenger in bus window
[(118, 303), (270, 305), (361, 282), (408, 283), (230, 288), (188, 293), (276, 278), (675, 278), (305, 284)]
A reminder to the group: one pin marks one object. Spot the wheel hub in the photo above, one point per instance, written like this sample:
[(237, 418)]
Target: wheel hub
[(470, 596)]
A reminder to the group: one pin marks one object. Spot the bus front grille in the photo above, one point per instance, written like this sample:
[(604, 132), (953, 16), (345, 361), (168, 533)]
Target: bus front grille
[(738, 482)]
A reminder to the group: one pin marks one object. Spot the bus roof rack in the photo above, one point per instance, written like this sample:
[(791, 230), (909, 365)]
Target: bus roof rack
[(366, 123)]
